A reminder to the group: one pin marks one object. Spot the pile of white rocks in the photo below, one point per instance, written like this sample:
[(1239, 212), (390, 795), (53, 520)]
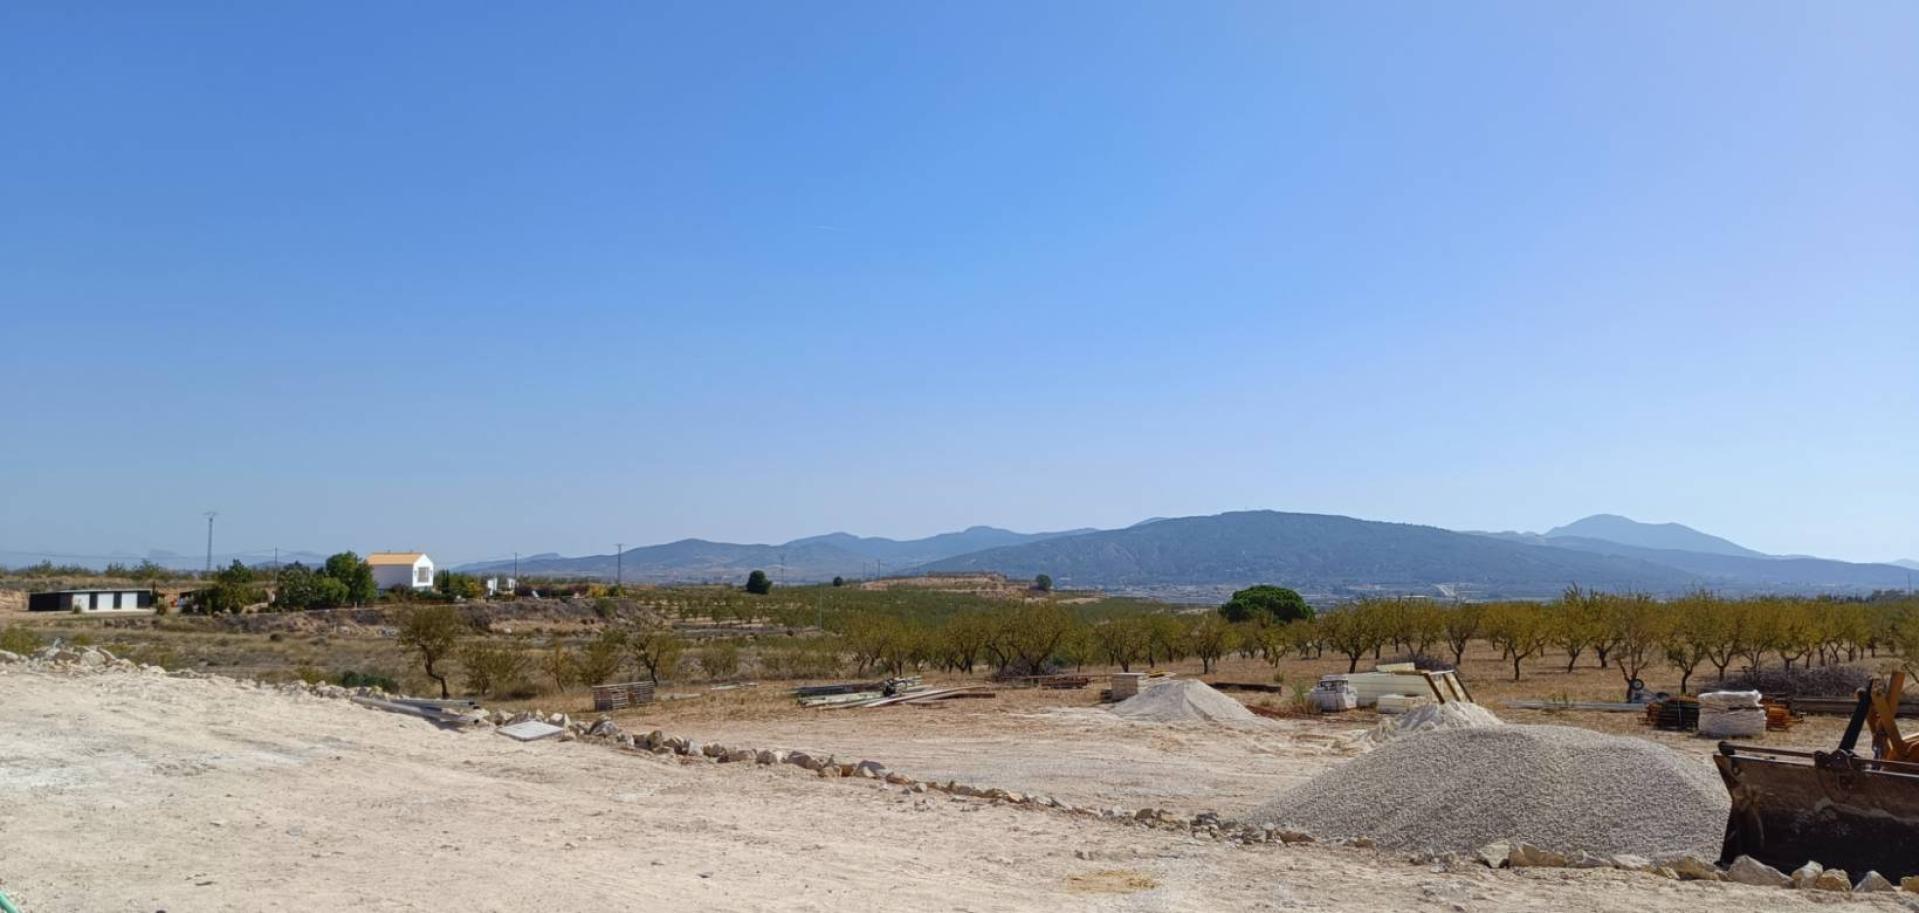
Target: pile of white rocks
[(63, 658)]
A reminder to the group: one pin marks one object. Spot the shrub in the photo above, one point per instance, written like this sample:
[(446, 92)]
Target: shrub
[(492, 667), (19, 639), (352, 679), (1818, 681), (719, 659)]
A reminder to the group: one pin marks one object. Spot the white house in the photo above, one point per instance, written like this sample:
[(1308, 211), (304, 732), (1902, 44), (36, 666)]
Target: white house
[(409, 569)]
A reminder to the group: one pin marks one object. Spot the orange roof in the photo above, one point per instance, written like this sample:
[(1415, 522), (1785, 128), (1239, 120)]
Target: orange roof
[(405, 558)]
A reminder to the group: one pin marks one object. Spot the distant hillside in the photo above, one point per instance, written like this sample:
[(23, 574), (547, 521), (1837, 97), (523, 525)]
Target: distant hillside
[(1314, 552), (1673, 536), (898, 553), (808, 560), (1736, 572), (1906, 563)]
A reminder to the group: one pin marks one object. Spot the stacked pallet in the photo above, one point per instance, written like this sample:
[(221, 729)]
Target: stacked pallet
[(622, 695)]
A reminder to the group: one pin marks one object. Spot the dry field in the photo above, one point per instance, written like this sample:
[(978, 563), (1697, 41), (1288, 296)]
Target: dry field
[(146, 792), (139, 792)]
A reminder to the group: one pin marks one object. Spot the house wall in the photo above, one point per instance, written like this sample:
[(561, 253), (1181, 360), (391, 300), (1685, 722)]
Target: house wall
[(388, 576), (108, 601)]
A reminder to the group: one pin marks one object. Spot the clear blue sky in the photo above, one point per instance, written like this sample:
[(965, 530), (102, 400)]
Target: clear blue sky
[(481, 277)]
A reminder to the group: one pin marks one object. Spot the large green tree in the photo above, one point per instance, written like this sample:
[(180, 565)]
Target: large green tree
[(758, 584), (1266, 604), (351, 570)]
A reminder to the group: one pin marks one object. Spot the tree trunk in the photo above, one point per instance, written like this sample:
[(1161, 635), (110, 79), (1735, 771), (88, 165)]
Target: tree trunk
[(1352, 663), (1516, 659)]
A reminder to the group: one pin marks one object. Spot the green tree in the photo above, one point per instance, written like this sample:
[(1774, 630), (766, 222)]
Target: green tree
[(599, 661), (838, 580), (656, 649), (1210, 637), (356, 574), (232, 590), (1351, 631), (491, 667), (455, 585), (1123, 640), (1266, 604), (433, 633), (1518, 629), (1043, 583), (758, 583)]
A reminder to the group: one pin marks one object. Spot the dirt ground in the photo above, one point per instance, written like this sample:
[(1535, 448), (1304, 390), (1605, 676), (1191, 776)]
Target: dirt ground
[(140, 792)]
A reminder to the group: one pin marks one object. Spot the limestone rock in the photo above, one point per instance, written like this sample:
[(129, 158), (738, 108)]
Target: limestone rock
[(1909, 884), (1872, 883), (1495, 854), (1693, 868), (1525, 855), (1833, 880), (1631, 862), (1747, 870), (1805, 875)]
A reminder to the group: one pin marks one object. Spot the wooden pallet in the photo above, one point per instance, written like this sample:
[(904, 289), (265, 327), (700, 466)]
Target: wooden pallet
[(622, 695)]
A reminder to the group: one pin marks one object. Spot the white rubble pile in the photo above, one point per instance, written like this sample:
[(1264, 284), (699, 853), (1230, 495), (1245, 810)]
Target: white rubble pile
[(1566, 791), (1428, 718), (1183, 700)]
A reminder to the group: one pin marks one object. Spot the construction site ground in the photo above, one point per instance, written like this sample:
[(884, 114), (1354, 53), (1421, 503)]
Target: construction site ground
[(143, 792)]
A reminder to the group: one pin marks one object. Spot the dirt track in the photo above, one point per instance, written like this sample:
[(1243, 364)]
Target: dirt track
[(133, 792)]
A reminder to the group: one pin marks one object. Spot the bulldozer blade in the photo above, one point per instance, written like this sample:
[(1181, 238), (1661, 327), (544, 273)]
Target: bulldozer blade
[(1835, 808)]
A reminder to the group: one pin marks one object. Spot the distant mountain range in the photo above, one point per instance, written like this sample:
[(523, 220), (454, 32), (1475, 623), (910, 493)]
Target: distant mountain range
[(1330, 556), (1200, 557), (1312, 552), (811, 559)]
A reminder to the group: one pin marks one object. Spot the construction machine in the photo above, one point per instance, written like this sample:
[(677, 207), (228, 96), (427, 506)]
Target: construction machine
[(1841, 808)]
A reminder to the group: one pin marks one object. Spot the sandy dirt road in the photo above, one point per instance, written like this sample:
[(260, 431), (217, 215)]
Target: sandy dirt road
[(137, 792)]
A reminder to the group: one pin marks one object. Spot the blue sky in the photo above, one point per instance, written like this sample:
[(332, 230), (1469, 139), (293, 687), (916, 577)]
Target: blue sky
[(485, 277)]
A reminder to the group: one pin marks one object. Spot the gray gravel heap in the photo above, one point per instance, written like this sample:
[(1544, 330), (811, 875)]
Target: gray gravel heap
[(1555, 787), (1183, 700)]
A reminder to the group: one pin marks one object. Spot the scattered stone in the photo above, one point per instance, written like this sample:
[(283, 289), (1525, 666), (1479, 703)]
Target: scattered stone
[(1873, 883), (1693, 868), (1495, 854), (1585, 860), (1909, 884), (1631, 862), (1747, 870), (1525, 855), (1805, 875), (1833, 880)]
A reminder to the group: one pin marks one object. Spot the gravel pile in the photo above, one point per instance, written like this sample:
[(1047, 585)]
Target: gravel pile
[(1556, 787), (1183, 700), (1429, 718)]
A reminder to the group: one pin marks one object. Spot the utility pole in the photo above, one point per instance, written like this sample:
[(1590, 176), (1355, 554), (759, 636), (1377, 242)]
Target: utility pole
[(619, 564), (276, 561), (210, 515), (516, 568)]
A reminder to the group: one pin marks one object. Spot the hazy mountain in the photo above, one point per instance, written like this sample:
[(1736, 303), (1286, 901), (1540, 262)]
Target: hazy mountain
[(1673, 536), (1906, 563), (1738, 572), (1314, 552), (898, 554), (811, 559)]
